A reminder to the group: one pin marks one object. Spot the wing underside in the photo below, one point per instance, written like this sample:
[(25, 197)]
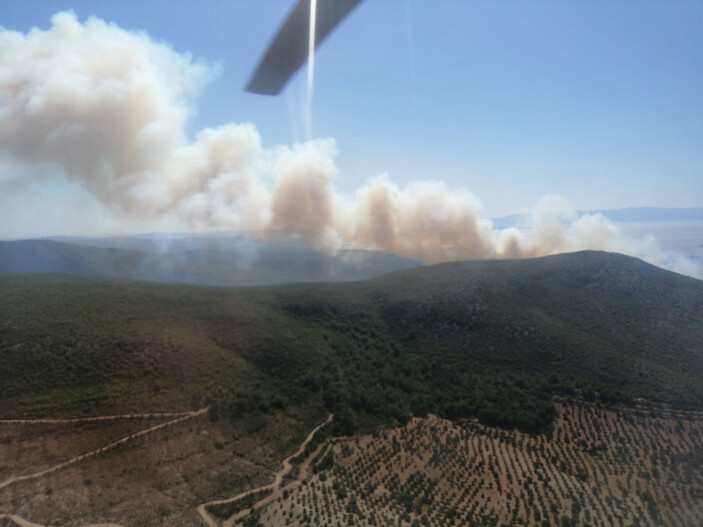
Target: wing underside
[(289, 49)]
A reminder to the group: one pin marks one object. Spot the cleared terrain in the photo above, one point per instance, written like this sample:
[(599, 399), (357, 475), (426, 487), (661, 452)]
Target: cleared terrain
[(153, 478)]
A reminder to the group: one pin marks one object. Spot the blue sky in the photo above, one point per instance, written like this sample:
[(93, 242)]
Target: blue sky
[(598, 102)]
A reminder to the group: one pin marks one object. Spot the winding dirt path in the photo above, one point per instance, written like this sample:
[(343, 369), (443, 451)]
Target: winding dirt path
[(74, 460), (278, 493), (275, 487)]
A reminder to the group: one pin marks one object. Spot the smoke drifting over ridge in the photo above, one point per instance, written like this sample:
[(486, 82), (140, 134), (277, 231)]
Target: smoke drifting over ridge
[(108, 108)]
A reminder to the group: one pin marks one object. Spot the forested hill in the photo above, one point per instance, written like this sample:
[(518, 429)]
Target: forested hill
[(493, 339)]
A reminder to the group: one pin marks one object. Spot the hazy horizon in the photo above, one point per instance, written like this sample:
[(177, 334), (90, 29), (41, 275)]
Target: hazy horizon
[(107, 125)]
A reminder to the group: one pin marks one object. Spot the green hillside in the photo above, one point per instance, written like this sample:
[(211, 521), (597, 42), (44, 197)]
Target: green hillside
[(493, 339)]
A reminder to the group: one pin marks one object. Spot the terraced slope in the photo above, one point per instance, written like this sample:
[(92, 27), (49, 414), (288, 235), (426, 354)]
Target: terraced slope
[(599, 467)]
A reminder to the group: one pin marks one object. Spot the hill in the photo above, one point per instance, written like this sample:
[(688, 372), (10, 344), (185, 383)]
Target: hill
[(223, 260), (244, 374), (492, 339)]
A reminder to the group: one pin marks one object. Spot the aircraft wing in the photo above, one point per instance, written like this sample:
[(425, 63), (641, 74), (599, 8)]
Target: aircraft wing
[(289, 49)]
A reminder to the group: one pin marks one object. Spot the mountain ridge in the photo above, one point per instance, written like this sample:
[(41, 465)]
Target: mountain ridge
[(491, 339), (621, 215), (217, 261)]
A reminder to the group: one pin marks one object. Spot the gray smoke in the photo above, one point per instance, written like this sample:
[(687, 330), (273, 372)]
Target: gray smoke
[(107, 108)]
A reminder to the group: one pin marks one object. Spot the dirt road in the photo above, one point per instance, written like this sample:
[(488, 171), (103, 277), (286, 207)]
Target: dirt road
[(18, 520), (91, 419), (275, 487), (100, 450), (277, 493)]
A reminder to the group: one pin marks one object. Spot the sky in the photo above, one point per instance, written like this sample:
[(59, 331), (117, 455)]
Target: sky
[(600, 103)]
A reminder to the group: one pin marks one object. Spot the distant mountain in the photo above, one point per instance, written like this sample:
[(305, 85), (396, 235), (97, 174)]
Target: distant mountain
[(651, 214), (625, 215), (513, 220), (225, 260)]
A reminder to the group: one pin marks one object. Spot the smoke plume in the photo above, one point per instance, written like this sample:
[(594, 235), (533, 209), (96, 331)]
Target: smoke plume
[(107, 109)]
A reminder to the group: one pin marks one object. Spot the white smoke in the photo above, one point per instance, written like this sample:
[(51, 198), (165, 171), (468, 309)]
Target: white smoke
[(106, 109)]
